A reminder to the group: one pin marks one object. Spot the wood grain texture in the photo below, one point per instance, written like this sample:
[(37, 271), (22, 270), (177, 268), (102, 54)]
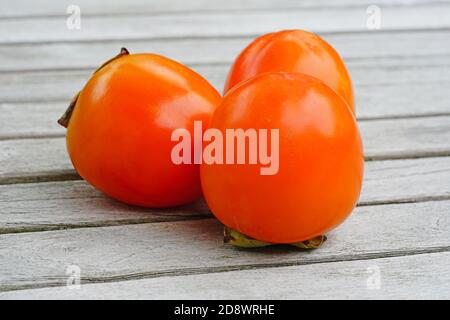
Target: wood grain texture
[(424, 276), (403, 138), (385, 87), (204, 51), (401, 226), (26, 120), (32, 8), (405, 180), (38, 119), (28, 86), (32, 158), (29, 159), (219, 24), (187, 247), (75, 204)]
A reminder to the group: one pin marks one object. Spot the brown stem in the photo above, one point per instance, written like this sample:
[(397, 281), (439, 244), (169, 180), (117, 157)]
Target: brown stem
[(65, 118)]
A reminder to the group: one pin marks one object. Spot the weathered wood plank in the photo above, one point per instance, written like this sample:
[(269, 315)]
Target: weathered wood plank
[(190, 247), (27, 86), (403, 138), (89, 55), (32, 158), (405, 180), (25, 120), (27, 8), (383, 139), (398, 279), (186, 247), (213, 24), (390, 87), (72, 204), (61, 205), (38, 119), (91, 211)]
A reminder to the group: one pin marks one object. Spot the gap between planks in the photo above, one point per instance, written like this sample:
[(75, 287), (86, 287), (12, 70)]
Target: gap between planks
[(61, 134), (239, 23), (223, 37), (338, 280), (72, 175), (384, 87), (408, 139), (176, 218), (217, 270), (66, 205), (218, 50), (366, 235)]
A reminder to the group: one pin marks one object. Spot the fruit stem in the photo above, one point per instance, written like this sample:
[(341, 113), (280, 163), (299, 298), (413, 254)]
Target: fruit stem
[(65, 118), (238, 239)]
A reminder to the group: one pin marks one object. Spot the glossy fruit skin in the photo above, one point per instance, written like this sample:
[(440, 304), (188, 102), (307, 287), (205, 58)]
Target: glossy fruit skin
[(119, 134), (293, 51), (321, 160)]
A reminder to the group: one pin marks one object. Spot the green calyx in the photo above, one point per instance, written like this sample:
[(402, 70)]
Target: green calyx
[(241, 240)]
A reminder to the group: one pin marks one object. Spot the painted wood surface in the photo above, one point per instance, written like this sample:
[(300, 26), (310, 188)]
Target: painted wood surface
[(219, 24), (35, 8), (50, 219), (186, 247), (75, 204), (28, 159), (207, 50), (424, 276)]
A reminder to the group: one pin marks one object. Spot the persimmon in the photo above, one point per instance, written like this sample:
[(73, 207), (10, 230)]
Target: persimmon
[(293, 51), (119, 128), (321, 160)]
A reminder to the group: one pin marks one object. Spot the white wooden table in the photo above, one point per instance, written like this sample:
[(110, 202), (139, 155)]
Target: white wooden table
[(395, 245)]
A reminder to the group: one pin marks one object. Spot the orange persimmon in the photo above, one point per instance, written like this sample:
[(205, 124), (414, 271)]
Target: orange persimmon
[(119, 129), (293, 51), (321, 160)]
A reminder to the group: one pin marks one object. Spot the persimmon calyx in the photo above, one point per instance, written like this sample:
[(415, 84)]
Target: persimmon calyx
[(65, 118), (238, 239)]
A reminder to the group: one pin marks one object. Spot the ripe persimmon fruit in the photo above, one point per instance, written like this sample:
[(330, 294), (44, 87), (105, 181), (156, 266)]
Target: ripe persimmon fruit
[(119, 128), (293, 51), (321, 160)]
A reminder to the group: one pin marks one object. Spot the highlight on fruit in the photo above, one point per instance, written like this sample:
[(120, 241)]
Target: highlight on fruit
[(119, 128), (278, 159)]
